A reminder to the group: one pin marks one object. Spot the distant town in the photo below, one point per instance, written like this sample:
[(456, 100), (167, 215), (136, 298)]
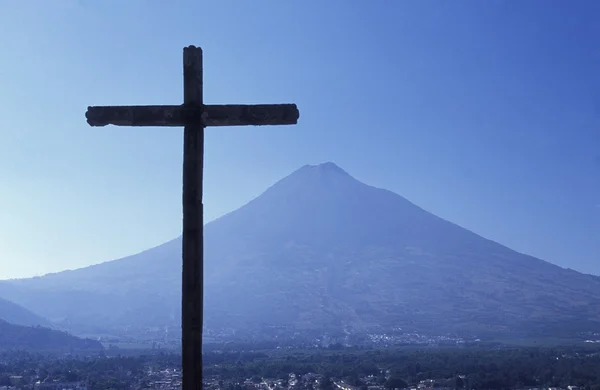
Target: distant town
[(393, 338), (233, 367)]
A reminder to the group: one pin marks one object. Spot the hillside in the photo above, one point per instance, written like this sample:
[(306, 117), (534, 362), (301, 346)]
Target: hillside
[(320, 250), (38, 339), (15, 314)]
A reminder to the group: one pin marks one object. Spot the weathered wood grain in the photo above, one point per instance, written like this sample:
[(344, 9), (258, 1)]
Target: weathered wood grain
[(250, 114), (192, 277), (209, 115), (138, 115)]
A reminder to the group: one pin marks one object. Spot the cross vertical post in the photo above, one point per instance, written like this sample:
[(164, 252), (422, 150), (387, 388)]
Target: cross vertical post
[(192, 296)]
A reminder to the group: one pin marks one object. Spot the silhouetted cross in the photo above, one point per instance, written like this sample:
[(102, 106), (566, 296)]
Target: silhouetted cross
[(194, 116)]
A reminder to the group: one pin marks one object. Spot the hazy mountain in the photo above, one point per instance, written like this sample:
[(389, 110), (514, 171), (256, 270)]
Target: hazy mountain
[(15, 314), (38, 339), (321, 250)]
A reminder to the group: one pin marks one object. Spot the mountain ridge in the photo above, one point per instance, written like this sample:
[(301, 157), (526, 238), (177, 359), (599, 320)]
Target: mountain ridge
[(18, 315), (42, 339)]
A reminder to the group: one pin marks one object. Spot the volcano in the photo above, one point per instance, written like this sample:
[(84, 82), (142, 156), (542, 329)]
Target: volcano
[(319, 251)]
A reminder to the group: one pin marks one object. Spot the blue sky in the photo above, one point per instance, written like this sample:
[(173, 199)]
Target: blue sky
[(486, 113)]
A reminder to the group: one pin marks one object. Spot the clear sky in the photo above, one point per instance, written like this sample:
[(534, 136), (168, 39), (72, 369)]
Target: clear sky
[(486, 113)]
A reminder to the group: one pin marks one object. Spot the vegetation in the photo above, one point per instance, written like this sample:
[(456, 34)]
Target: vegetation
[(98, 372), (28, 338), (464, 368), (456, 368)]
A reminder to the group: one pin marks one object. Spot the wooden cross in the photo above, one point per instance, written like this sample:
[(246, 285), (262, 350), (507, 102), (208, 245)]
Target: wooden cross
[(194, 116)]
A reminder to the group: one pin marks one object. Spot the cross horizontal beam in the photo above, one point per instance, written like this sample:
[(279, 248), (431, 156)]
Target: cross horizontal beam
[(207, 115)]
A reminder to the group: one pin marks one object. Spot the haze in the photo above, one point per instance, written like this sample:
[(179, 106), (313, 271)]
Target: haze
[(484, 113)]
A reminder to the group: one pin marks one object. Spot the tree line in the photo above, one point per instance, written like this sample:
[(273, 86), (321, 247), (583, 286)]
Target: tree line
[(466, 368)]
